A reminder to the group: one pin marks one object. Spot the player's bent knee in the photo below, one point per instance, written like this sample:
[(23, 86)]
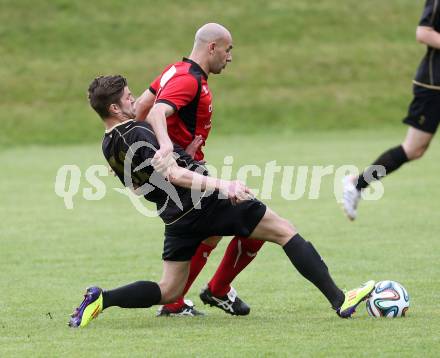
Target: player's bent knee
[(421, 151), (285, 232), (416, 153), (415, 149), (288, 227)]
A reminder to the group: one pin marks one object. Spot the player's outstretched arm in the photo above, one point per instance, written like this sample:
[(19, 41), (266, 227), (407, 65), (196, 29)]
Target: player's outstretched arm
[(428, 36), (236, 191)]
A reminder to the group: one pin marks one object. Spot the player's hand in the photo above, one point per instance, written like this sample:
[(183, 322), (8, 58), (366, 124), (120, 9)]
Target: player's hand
[(236, 191), (194, 146), (164, 165), (165, 148), (163, 159)]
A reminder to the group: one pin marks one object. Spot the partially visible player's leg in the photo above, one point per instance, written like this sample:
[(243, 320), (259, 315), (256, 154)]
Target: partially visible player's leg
[(173, 281), (231, 220), (140, 294), (239, 253), (389, 161), (416, 143), (414, 146), (219, 292), (309, 263), (182, 307), (423, 119)]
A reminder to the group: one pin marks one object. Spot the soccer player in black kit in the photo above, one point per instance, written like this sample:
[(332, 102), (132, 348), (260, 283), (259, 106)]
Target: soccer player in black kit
[(193, 206), (423, 113)]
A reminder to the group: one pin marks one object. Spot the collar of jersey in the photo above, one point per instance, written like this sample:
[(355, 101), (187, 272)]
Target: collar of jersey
[(196, 65), (117, 125)]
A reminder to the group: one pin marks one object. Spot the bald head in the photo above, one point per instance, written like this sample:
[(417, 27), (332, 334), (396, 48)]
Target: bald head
[(212, 48), (211, 32)]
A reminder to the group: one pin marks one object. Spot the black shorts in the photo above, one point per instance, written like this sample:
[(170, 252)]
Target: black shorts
[(424, 110), (217, 217)]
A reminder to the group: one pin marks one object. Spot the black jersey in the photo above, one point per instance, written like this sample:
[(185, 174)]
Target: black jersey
[(129, 148), (428, 73)]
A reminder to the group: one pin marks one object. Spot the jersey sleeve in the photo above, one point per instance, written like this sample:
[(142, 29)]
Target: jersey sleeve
[(178, 91), (429, 13), (155, 85)]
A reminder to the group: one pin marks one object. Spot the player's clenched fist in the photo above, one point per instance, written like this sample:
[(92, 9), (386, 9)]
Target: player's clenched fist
[(163, 160)]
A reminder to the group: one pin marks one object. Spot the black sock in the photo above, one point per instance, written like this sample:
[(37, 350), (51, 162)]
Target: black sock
[(391, 160), (140, 294), (307, 261)]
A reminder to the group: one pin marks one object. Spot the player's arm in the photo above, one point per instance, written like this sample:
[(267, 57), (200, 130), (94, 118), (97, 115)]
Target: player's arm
[(236, 191), (177, 92), (157, 117), (144, 104), (168, 168), (425, 32), (428, 36)]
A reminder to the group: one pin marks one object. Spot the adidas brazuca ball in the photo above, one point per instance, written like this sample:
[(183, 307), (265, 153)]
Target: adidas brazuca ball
[(388, 299)]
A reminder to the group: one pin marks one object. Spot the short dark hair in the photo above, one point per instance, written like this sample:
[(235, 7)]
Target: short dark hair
[(104, 91)]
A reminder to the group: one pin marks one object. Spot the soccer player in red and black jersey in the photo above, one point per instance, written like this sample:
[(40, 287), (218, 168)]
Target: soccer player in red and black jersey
[(178, 105)]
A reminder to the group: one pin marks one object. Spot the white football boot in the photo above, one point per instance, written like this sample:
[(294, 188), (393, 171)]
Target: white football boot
[(351, 197)]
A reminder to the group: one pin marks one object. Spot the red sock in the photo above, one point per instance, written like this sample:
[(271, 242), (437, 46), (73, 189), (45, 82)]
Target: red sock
[(239, 253), (198, 261), (174, 307)]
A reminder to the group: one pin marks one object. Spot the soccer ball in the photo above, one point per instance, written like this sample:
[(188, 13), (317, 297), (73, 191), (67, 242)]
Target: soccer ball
[(388, 299)]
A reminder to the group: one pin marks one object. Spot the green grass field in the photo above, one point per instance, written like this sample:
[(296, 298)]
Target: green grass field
[(322, 82), (50, 254), (297, 65)]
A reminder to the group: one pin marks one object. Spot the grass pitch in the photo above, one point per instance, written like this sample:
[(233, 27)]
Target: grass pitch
[(50, 254), (317, 62), (298, 65)]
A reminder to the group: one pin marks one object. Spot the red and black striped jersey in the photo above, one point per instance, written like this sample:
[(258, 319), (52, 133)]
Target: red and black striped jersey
[(183, 86)]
